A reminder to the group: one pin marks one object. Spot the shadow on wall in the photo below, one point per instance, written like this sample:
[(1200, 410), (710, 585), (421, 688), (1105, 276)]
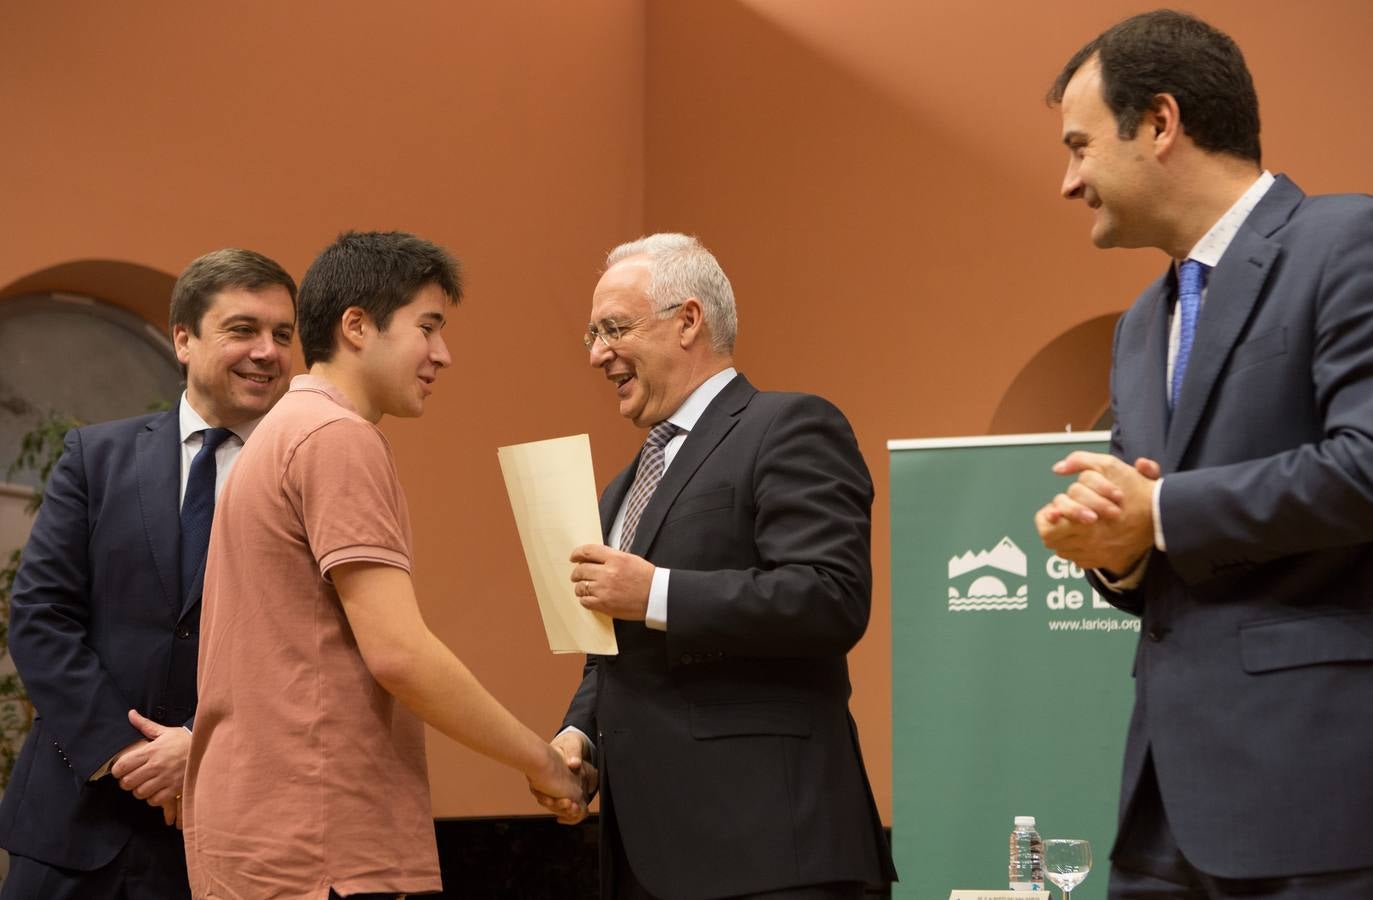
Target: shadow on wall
[(1065, 386)]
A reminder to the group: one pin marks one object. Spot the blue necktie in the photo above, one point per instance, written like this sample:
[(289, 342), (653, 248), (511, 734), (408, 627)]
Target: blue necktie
[(198, 509), (1191, 280)]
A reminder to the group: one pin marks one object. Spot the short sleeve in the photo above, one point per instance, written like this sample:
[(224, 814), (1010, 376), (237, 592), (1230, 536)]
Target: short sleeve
[(342, 480)]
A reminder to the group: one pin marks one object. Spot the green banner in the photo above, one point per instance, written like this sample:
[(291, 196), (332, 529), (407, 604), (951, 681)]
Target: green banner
[(1011, 678)]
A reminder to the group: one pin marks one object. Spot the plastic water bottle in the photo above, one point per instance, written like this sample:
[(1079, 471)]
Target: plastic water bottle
[(1027, 856)]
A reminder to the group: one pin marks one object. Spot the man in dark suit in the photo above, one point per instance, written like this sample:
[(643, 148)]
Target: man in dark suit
[(728, 762), (106, 606), (1235, 511)]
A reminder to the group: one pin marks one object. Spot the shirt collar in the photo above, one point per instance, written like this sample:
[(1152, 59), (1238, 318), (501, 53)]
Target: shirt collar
[(696, 402), (1215, 242), (192, 422), (323, 386)]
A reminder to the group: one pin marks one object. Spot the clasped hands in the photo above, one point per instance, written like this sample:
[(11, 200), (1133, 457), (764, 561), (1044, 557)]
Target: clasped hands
[(1105, 518), (571, 749), (154, 769)]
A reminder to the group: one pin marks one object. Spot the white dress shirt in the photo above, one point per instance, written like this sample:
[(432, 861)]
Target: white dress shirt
[(191, 440), (685, 418), (1207, 251)]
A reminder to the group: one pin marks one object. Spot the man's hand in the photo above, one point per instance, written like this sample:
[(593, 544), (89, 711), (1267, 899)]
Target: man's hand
[(608, 581), (561, 789), (1105, 519), (573, 748), (155, 770)]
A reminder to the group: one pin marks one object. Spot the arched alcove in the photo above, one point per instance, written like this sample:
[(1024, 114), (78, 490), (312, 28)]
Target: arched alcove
[(1065, 385), (80, 340)]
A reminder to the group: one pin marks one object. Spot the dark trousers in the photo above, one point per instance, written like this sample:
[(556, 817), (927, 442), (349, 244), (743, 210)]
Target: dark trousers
[(628, 887), (1149, 865), (152, 866)]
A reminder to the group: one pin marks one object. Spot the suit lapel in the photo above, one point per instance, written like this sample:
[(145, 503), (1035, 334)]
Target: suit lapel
[(158, 464), (718, 419), (1149, 388), (1232, 293), (614, 495)]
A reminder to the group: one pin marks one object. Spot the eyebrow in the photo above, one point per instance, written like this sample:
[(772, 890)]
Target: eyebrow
[(244, 318), (435, 317), (1071, 136)]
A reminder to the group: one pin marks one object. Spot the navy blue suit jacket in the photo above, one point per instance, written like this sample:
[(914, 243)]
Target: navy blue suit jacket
[(1254, 673), (729, 761), (99, 626)]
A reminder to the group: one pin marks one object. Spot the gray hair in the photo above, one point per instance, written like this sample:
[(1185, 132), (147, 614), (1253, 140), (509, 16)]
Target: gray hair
[(679, 267)]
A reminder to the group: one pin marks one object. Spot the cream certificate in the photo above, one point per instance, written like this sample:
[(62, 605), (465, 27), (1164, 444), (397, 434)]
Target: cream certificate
[(553, 494)]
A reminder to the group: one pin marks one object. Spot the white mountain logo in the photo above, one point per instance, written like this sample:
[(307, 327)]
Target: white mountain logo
[(977, 581)]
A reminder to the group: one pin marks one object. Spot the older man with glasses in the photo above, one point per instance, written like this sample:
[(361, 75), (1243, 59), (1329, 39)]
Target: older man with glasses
[(737, 567)]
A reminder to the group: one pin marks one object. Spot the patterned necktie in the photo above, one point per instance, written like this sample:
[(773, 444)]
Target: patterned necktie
[(651, 467), (1191, 280), (198, 509)]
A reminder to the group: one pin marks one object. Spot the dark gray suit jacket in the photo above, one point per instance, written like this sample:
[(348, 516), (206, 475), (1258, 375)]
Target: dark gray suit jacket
[(98, 627), (1254, 673), (729, 761)]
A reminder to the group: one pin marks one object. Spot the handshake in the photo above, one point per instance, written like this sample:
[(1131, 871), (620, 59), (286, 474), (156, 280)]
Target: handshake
[(571, 781)]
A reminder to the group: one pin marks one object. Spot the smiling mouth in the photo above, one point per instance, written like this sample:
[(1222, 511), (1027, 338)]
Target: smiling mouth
[(256, 377)]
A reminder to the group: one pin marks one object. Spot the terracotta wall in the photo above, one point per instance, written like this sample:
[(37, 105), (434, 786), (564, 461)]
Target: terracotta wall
[(512, 133), (879, 179)]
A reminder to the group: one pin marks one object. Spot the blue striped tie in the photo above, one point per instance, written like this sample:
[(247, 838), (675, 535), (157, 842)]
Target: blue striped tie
[(198, 509), (1191, 280)]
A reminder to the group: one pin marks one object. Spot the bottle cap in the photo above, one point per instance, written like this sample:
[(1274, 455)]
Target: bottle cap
[(1024, 820)]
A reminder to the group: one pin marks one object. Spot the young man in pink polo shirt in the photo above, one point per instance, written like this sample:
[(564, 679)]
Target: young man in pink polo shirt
[(307, 773)]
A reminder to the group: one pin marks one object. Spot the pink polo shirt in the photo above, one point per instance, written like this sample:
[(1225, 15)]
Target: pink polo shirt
[(304, 773)]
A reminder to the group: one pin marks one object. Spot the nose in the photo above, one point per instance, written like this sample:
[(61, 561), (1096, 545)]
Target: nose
[(439, 355), (264, 347), (1072, 181), (599, 354)]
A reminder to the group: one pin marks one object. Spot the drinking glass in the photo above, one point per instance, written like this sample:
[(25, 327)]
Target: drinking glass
[(1067, 862)]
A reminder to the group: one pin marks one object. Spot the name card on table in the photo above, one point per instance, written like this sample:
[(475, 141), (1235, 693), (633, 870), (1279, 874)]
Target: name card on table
[(995, 895)]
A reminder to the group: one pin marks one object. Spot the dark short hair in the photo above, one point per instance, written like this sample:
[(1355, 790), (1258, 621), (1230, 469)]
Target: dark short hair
[(376, 271), (218, 271), (1170, 52)]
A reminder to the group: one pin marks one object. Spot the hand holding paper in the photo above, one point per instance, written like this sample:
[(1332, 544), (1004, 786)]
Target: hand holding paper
[(612, 582)]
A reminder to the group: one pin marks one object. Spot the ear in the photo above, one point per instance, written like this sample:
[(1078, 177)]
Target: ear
[(691, 320), (354, 326), (181, 338), (1164, 121)]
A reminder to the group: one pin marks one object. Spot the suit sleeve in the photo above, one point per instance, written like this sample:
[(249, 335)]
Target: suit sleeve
[(581, 712), (1313, 497), (49, 619), (1130, 600), (811, 592)]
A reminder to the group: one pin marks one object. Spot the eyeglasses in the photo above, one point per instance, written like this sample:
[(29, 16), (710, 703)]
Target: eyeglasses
[(608, 331)]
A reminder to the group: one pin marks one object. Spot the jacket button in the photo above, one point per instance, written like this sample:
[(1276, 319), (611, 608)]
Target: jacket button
[(160, 713), (183, 632), (1155, 635)]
